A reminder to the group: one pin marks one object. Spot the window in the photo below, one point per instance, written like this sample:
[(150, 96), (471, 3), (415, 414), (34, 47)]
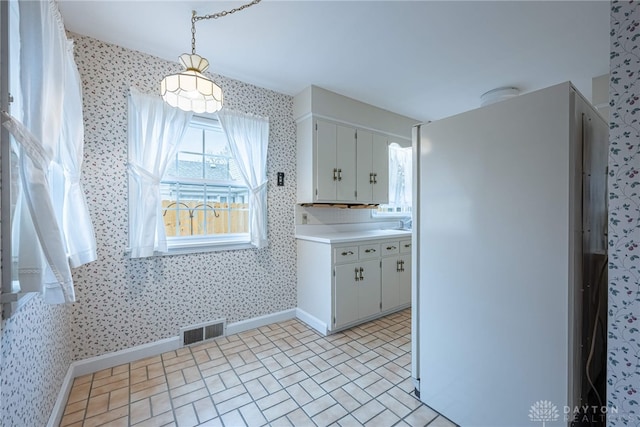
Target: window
[(204, 199), (400, 178)]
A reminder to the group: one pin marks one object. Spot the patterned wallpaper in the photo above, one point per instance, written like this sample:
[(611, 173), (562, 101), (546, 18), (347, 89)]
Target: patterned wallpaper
[(36, 353), (623, 372), (126, 302)]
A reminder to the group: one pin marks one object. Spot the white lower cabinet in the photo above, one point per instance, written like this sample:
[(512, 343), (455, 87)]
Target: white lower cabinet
[(396, 274), (341, 285)]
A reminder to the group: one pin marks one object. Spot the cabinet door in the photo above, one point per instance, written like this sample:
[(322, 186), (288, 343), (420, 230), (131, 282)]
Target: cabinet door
[(346, 294), (404, 279), (364, 162), (369, 289), (326, 173), (346, 164), (380, 168), (390, 276)]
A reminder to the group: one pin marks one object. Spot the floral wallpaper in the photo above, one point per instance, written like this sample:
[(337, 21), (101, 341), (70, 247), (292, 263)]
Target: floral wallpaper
[(125, 302), (35, 354), (623, 371)]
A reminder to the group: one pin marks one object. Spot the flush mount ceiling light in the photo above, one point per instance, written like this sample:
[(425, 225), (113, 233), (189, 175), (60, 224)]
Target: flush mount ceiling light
[(190, 90)]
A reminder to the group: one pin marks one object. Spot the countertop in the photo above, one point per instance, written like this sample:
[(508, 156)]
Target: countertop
[(332, 236)]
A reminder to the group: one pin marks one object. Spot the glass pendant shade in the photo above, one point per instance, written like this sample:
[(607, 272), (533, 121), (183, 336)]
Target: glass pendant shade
[(190, 90)]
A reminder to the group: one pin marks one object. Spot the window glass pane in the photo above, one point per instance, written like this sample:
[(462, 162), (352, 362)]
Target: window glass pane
[(212, 208), (192, 140), (400, 176), (189, 165)]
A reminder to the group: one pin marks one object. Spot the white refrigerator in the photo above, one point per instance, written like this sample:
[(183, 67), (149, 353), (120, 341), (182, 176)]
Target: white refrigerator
[(509, 241)]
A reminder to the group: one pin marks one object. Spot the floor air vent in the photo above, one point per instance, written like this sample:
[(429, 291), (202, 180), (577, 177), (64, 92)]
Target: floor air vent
[(203, 332)]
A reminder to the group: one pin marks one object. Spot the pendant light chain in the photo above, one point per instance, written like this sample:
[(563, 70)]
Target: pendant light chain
[(195, 18)]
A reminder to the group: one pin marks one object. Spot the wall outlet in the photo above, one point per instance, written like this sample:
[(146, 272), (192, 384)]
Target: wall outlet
[(305, 218)]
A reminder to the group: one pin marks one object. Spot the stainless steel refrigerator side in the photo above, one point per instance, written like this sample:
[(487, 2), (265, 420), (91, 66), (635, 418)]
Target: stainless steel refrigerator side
[(415, 257)]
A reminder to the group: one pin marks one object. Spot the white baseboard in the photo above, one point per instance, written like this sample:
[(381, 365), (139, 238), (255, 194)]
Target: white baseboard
[(109, 360), (312, 321), (256, 322)]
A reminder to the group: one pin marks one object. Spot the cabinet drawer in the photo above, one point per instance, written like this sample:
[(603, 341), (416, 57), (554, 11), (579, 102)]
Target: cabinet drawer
[(371, 250), (390, 248), (405, 246), (346, 254)]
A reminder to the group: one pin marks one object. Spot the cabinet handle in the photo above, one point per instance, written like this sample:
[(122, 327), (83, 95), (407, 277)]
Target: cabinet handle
[(335, 174), (371, 178), (345, 253), (357, 278), (375, 178), (407, 245), (401, 265), (391, 248), (368, 251), (398, 266), (339, 174), (361, 271)]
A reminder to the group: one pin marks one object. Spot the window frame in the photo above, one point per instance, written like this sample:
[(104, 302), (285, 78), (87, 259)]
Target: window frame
[(208, 242)]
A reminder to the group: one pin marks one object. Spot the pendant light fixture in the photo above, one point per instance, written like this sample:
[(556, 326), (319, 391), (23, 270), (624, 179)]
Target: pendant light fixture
[(191, 90)]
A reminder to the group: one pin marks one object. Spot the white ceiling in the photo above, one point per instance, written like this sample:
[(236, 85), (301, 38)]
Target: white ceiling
[(423, 59)]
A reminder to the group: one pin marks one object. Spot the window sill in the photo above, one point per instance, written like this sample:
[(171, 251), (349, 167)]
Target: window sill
[(204, 248), (186, 247)]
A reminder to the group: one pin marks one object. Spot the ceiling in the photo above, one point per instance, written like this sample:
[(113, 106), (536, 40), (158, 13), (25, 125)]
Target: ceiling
[(422, 59)]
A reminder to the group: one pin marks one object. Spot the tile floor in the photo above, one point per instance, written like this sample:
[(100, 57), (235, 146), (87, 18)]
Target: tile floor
[(284, 374)]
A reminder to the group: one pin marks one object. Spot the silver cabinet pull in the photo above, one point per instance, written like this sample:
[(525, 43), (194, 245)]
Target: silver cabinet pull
[(345, 253), (398, 266), (375, 178), (391, 248), (407, 245), (361, 271), (368, 251), (339, 174), (335, 174), (371, 178), (357, 278), (401, 265)]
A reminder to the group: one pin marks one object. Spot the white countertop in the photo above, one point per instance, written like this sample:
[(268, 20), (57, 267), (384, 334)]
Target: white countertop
[(332, 236)]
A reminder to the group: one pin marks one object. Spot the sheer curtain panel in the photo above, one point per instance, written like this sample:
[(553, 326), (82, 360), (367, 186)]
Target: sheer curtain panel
[(248, 137), (48, 105), (155, 132)]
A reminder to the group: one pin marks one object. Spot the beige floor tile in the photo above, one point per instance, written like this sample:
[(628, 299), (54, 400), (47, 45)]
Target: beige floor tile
[(140, 411), (120, 422), (160, 403), (330, 415), (421, 416), (106, 417), (441, 422), (205, 409), (75, 407), (283, 374), (367, 411), (160, 420), (98, 405), (79, 392), (186, 416), (72, 418), (119, 398)]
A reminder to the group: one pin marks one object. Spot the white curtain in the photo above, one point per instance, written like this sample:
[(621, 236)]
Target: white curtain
[(155, 131), (248, 138), (47, 122), (400, 175)]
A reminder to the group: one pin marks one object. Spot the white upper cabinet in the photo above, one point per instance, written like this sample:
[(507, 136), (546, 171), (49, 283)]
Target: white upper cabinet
[(372, 166), (332, 165), (335, 162)]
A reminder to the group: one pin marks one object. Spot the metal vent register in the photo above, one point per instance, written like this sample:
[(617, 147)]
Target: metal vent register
[(203, 332)]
